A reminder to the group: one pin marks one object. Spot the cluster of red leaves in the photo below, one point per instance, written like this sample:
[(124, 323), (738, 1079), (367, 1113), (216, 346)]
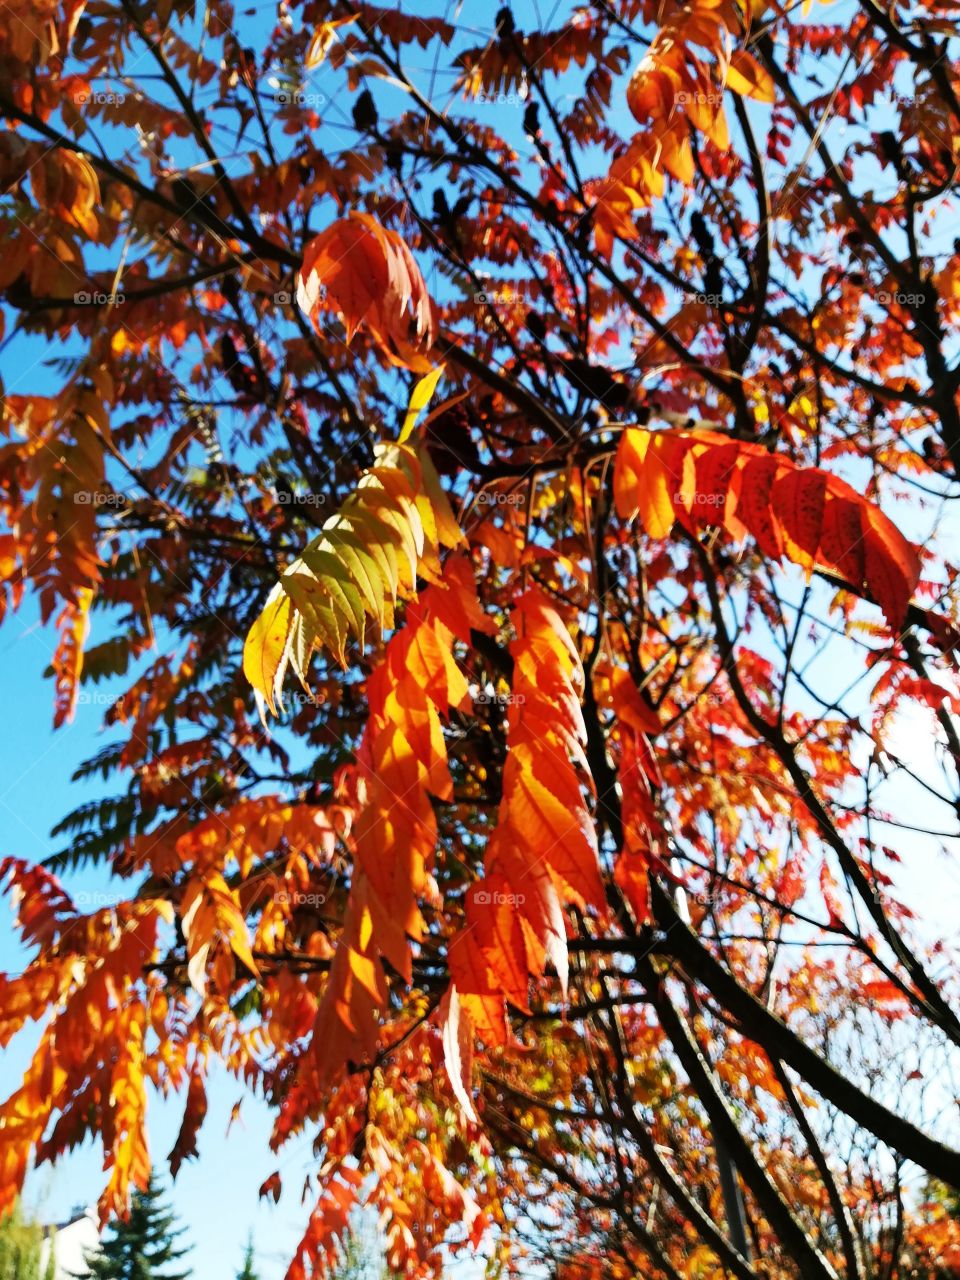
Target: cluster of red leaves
[(807, 515), (368, 275)]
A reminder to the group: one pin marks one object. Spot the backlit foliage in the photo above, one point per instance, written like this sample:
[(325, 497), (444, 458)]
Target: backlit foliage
[(499, 463)]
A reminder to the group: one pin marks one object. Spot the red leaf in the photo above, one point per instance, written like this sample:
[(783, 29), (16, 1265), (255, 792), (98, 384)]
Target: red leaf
[(804, 513), (753, 506), (272, 1187), (841, 539), (796, 500), (369, 276), (714, 470), (493, 917), (892, 567), (792, 880)]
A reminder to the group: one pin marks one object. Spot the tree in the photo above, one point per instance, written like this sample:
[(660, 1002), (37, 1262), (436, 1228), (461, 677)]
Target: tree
[(143, 1246), (572, 409), (20, 1248), (359, 1255), (247, 1272)]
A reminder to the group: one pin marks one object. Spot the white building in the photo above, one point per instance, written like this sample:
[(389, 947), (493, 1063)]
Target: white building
[(70, 1241)]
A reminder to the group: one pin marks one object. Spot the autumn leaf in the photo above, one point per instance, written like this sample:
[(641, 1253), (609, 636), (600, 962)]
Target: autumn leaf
[(195, 1111), (420, 397), (369, 554), (368, 274), (494, 918), (745, 76), (804, 514), (265, 647), (458, 1037), (211, 915), (321, 40)]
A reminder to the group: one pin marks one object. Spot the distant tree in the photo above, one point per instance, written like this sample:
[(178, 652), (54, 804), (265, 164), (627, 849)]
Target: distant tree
[(20, 1248), (248, 1272), (144, 1247), (361, 1255)]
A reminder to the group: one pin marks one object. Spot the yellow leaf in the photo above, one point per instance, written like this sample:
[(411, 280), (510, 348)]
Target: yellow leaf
[(642, 483), (419, 399), (385, 536), (746, 77), (265, 645), (449, 532), (322, 39), (656, 507), (209, 911)]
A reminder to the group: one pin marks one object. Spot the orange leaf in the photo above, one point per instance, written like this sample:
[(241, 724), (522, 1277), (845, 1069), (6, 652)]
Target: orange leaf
[(67, 662), (493, 917), (185, 1147), (807, 514), (210, 913), (457, 1033), (368, 275), (892, 567)]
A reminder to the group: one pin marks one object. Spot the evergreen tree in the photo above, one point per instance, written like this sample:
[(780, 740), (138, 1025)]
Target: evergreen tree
[(143, 1247), (248, 1272), (361, 1254), (20, 1244)]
